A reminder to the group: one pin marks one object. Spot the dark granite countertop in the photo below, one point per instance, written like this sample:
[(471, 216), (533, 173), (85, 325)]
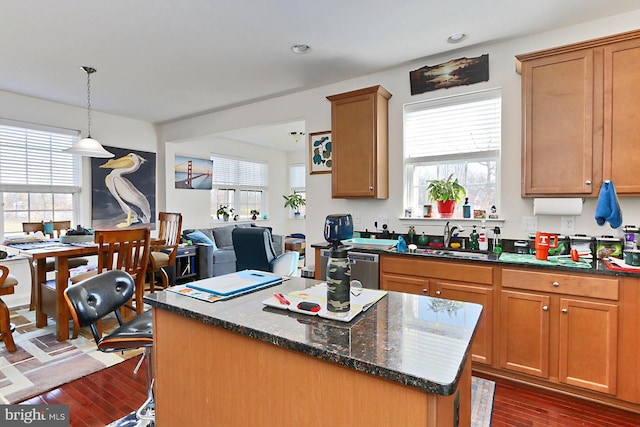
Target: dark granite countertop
[(598, 269), (414, 340)]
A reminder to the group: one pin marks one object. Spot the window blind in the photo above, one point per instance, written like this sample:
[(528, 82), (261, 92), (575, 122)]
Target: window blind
[(449, 126), (227, 171), (297, 175), (31, 158)]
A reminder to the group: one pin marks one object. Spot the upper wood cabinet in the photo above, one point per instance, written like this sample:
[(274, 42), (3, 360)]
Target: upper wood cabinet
[(359, 132), (580, 117)]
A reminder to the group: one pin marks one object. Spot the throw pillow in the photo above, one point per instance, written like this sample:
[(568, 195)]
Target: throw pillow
[(199, 237)]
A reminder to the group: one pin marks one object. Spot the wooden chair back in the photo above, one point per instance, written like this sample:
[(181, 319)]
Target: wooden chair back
[(59, 227), (165, 250), (169, 227), (126, 250)]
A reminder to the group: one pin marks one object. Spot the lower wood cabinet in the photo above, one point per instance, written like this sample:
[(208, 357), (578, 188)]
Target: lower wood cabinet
[(404, 274), (557, 336)]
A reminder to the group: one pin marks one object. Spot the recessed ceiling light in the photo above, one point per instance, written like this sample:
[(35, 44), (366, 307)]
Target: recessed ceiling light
[(456, 37), (300, 49)]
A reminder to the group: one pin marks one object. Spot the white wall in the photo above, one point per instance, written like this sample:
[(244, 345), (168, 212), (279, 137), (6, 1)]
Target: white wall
[(315, 109)]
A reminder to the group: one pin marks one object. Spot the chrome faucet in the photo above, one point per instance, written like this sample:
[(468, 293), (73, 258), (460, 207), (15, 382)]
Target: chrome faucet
[(448, 233)]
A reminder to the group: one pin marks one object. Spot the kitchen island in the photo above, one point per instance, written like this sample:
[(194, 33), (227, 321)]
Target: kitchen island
[(405, 361)]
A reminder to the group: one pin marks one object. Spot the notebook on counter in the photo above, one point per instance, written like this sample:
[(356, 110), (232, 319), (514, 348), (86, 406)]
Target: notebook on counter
[(235, 283)]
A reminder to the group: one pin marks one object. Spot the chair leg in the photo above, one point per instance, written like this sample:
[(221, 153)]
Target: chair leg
[(5, 327), (165, 278), (152, 280), (34, 281)]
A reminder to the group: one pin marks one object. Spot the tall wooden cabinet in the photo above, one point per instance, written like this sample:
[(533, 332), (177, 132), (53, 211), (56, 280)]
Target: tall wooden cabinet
[(580, 117), (359, 132)]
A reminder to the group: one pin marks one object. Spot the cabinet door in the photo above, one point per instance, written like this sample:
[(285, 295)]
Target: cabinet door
[(588, 344), (407, 284), (558, 125), (482, 341), (524, 337), (360, 165), (622, 115)]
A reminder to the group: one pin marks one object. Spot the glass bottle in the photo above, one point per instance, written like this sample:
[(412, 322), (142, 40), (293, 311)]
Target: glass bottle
[(466, 208), (473, 239)]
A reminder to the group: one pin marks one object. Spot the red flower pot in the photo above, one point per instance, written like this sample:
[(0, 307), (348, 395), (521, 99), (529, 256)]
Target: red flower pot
[(445, 209)]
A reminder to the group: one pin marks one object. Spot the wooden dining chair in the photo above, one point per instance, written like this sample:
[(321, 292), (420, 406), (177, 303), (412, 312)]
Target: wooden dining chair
[(7, 283), (58, 229), (163, 253), (126, 250)]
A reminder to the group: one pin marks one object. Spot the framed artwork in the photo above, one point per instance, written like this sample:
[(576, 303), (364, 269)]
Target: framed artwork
[(320, 152), (194, 174), (123, 189), (457, 72)]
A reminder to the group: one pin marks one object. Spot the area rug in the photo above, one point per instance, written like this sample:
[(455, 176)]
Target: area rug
[(41, 363), (481, 401)]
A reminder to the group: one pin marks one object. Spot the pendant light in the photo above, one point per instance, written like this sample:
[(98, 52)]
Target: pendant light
[(88, 146)]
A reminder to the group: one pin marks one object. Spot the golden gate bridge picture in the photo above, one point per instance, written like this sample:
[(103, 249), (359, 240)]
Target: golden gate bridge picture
[(195, 174)]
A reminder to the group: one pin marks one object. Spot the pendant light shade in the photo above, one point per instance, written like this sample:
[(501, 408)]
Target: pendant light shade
[(88, 146)]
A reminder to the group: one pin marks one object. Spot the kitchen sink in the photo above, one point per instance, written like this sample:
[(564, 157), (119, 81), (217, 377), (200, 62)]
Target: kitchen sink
[(463, 254)]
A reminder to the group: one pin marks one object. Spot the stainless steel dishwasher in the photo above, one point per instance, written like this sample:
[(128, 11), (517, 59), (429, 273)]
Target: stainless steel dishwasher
[(364, 267)]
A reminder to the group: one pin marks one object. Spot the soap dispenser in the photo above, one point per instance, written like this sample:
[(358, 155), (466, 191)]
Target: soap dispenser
[(466, 208), (473, 239), (497, 244)]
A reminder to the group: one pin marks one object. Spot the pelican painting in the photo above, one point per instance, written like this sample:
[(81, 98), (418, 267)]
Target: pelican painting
[(131, 200)]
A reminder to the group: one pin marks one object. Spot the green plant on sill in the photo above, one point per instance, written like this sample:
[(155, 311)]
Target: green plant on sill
[(224, 211), (294, 201), (446, 189)]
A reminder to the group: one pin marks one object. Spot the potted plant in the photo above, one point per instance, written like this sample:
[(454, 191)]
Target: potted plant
[(254, 214), (446, 192), (225, 212), (294, 201)]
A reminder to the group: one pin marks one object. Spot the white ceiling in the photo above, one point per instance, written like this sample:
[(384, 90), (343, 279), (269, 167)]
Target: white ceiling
[(162, 60)]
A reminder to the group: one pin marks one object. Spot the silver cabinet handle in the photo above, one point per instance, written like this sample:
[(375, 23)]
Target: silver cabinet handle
[(565, 311), (588, 182), (438, 293), (556, 284), (425, 291), (545, 308)]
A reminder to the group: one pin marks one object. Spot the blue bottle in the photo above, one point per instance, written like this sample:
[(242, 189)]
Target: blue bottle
[(466, 208)]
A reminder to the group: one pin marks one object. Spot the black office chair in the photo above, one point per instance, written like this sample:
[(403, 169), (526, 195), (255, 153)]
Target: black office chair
[(254, 251), (98, 296)]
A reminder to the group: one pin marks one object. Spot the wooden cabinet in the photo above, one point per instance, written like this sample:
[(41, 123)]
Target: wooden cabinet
[(560, 327), (448, 280), (359, 132), (579, 117)]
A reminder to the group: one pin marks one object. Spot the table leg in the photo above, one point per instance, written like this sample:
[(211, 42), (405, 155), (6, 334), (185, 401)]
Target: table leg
[(41, 277), (62, 281)]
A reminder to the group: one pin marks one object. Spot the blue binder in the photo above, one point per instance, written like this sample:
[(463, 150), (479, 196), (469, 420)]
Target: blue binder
[(235, 283)]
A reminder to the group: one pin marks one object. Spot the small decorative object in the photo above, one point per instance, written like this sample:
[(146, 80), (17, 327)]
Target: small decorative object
[(412, 233), (225, 212), (254, 214), (423, 240), (446, 192), (479, 213), (494, 212), (457, 72), (426, 211), (320, 152), (294, 201)]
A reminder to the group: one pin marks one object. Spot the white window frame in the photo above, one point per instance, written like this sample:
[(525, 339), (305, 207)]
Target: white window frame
[(446, 162), (298, 185), (231, 186), (32, 163)]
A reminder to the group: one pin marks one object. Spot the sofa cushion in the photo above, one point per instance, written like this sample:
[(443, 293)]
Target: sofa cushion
[(222, 236), (198, 236)]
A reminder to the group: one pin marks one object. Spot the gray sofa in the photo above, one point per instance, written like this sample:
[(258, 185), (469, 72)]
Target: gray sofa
[(219, 258)]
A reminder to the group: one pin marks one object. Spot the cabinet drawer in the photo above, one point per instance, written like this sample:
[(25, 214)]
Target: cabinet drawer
[(186, 251), (415, 266), (561, 283)]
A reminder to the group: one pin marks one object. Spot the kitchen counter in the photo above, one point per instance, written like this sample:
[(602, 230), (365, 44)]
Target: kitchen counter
[(489, 258), (414, 344)]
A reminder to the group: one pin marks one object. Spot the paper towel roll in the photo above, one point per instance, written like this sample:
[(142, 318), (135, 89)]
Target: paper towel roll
[(557, 206)]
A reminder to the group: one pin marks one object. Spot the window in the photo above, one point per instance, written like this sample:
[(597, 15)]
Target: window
[(239, 184), (297, 176), (457, 135), (38, 182)]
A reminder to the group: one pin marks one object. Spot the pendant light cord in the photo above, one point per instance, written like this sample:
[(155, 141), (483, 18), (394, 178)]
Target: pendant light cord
[(89, 71)]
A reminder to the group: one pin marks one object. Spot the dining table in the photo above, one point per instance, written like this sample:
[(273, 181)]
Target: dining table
[(49, 297)]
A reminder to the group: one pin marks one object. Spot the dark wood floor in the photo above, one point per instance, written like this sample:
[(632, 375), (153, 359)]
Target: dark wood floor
[(100, 398)]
